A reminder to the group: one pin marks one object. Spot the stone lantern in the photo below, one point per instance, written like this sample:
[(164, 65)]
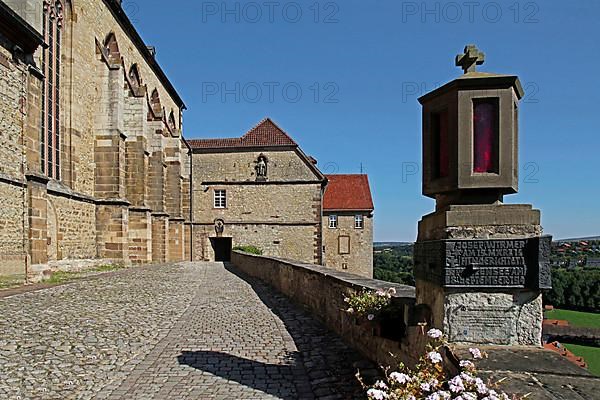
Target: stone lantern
[(480, 264), (470, 136)]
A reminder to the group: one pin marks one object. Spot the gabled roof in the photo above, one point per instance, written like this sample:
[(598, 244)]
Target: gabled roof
[(348, 193), (265, 134)]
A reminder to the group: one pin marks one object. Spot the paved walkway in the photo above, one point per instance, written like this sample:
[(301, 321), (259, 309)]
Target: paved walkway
[(185, 331)]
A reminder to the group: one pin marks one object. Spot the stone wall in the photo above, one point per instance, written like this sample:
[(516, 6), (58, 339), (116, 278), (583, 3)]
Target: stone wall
[(357, 257), (76, 227), (83, 82), (293, 242), (262, 203), (12, 89), (281, 216), (13, 216), (283, 165), (322, 291)]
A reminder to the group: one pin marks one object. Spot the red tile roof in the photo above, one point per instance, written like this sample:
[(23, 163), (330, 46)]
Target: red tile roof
[(348, 193), (265, 134)]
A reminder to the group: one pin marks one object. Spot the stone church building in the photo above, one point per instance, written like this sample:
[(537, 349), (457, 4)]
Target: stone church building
[(92, 162), (94, 167)]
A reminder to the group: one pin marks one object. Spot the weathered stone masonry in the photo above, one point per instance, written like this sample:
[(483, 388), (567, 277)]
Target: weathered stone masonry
[(122, 193)]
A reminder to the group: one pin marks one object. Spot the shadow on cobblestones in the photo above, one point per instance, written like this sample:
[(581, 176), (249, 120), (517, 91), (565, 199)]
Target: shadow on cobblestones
[(322, 367), (274, 379)]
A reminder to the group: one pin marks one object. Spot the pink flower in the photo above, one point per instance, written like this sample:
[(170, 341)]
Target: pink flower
[(434, 357), (466, 364), (475, 352)]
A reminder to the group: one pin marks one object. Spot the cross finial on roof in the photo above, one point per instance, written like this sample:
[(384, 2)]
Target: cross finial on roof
[(471, 57)]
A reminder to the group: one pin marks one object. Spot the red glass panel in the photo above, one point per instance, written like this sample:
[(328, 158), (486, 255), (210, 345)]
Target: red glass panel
[(440, 144), (485, 136), (443, 132)]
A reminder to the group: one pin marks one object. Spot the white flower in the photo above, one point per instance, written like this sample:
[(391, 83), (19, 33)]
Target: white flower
[(466, 364), (468, 396), (392, 291), (429, 386), (377, 394), (400, 377), (434, 333), (350, 310), (465, 376), (381, 293), (370, 317), (481, 386), (441, 395), (456, 384), (434, 357), (346, 299), (475, 352), (380, 385), (492, 395)]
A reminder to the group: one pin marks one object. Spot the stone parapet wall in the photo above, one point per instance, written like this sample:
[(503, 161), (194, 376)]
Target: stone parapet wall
[(322, 291)]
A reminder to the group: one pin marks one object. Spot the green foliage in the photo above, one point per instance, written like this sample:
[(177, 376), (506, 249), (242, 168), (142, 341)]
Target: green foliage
[(394, 264), (11, 281), (575, 289), (108, 268), (62, 277), (59, 277), (590, 354), (575, 318), (249, 249)]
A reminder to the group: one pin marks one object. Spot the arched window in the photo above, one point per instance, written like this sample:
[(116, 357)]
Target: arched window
[(50, 125)]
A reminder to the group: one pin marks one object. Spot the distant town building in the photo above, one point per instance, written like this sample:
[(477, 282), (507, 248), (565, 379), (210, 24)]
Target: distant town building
[(348, 224)]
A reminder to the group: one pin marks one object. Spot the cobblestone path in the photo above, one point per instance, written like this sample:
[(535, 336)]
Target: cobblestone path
[(184, 331)]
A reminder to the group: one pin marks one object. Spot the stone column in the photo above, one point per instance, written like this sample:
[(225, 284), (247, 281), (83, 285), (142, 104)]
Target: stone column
[(136, 177), (37, 195), (109, 155), (480, 264)]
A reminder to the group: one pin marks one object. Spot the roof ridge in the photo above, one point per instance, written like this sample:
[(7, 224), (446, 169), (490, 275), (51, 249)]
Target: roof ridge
[(264, 121)]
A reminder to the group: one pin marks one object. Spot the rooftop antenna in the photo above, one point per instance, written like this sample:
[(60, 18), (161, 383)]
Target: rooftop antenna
[(361, 168)]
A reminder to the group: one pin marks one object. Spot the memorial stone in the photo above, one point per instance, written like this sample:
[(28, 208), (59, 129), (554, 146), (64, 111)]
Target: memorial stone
[(480, 264)]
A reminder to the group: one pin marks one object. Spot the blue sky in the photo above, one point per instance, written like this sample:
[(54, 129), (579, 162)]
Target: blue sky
[(360, 66)]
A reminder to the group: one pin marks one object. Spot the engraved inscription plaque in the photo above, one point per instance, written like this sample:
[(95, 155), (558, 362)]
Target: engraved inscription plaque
[(495, 322), (511, 263)]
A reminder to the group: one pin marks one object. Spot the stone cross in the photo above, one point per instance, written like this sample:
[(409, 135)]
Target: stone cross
[(471, 57)]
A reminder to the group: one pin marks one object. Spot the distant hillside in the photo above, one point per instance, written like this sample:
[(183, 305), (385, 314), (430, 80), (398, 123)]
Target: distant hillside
[(579, 239), (391, 244)]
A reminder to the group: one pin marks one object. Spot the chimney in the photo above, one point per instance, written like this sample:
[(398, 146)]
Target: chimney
[(152, 51)]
